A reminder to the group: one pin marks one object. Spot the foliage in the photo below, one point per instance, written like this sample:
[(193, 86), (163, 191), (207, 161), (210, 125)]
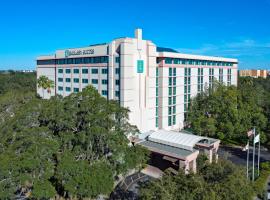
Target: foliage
[(228, 113), (260, 183), (71, 147), (214, 182), (45, 83)]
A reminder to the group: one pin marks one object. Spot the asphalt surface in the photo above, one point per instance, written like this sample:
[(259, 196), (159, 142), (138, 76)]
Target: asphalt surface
[(239, 157)]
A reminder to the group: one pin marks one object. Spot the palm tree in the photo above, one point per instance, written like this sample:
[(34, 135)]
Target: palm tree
[(50, 84), (45, 83)]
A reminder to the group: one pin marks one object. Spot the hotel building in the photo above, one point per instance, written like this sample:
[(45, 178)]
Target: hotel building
[(155, 83)]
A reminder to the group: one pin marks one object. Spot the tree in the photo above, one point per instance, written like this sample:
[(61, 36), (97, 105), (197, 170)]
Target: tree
[(72, 147), (214, 181), (45, 83), (227, 113)]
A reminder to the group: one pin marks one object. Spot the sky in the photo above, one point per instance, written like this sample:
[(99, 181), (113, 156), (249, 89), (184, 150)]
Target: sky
[(229, 28)]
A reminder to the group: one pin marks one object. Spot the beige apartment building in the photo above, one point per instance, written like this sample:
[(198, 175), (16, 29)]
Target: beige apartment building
[(253, 73)]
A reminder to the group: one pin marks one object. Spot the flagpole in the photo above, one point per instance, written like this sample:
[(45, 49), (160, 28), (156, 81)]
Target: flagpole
[(248, 160), (253, 162), (259, 157)]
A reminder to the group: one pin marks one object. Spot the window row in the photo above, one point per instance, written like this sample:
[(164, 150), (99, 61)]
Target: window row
[(195, 62), (88, 60), (93, 81), (84, 71)]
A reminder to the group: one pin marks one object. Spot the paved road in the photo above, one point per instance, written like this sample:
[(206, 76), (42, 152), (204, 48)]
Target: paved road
[(238, 156)]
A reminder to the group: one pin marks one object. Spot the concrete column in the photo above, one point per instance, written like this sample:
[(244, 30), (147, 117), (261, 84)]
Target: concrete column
[(186, 167), (210, 155), (194, 166)]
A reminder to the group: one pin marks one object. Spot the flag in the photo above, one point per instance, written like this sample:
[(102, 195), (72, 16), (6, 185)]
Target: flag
[(250, 133), (257, 139), (246, 147)]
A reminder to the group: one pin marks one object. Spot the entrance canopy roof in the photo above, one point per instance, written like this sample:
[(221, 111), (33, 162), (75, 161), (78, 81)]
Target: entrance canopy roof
[(179, 139)]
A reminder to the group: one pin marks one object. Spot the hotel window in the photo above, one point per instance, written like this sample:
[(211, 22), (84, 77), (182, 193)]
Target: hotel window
[(68, 89), (60, 79), (157, 75), (117, 93), (187, 87), (68, 80), (117, 59), (60, 88), (117, 82), (117, 70), (68, 71), (76, 80), (104, 82), (200, 80), (85, 71), (171, 95), (60, 71), (211, 77), (168, 61), (176, 61), (75, 90), (94, 81), (104, 71), (221, 75), (229, 77), (104, 92), (84, 80), (183, 62), (94, 71), (76, 71)]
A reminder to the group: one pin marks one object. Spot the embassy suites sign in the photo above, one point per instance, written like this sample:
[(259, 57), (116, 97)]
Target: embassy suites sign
[(79, 52)]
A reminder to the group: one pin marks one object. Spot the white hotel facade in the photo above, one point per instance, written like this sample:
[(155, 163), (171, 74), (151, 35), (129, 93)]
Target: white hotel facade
[(155, 83)]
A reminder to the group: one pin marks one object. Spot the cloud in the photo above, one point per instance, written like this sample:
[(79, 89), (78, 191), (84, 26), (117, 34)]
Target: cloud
[(242, 48), (249, 52)]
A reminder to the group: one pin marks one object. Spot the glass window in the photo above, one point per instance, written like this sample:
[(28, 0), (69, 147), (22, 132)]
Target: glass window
[(174, 120), (76, 71), (76, 80), (104, 92), (168, 61), (174, 91), (60, 88), (117, 82), (170, 91), (104, 81), (169, 120), (169, 110), (174, 71), (94, 71), (60, 71), (68, 80), (94, 81), (60, 79), (170, 71), (84, 80), (117, 59), (117, 93), (174, 81), (156, 72), (104, 71), (85, 71), (174, 100), (68, 71), (75, 90), (174, 109), (170, 81), (117, 70), (170, 100), (68, 89), (183, 62)]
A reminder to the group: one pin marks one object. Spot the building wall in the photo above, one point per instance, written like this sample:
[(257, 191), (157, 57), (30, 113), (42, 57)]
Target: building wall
[(253, 73), (135, 78)]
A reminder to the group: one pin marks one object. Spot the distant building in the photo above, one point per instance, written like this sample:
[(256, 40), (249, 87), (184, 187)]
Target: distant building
[(155, 83), (253, 73)]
